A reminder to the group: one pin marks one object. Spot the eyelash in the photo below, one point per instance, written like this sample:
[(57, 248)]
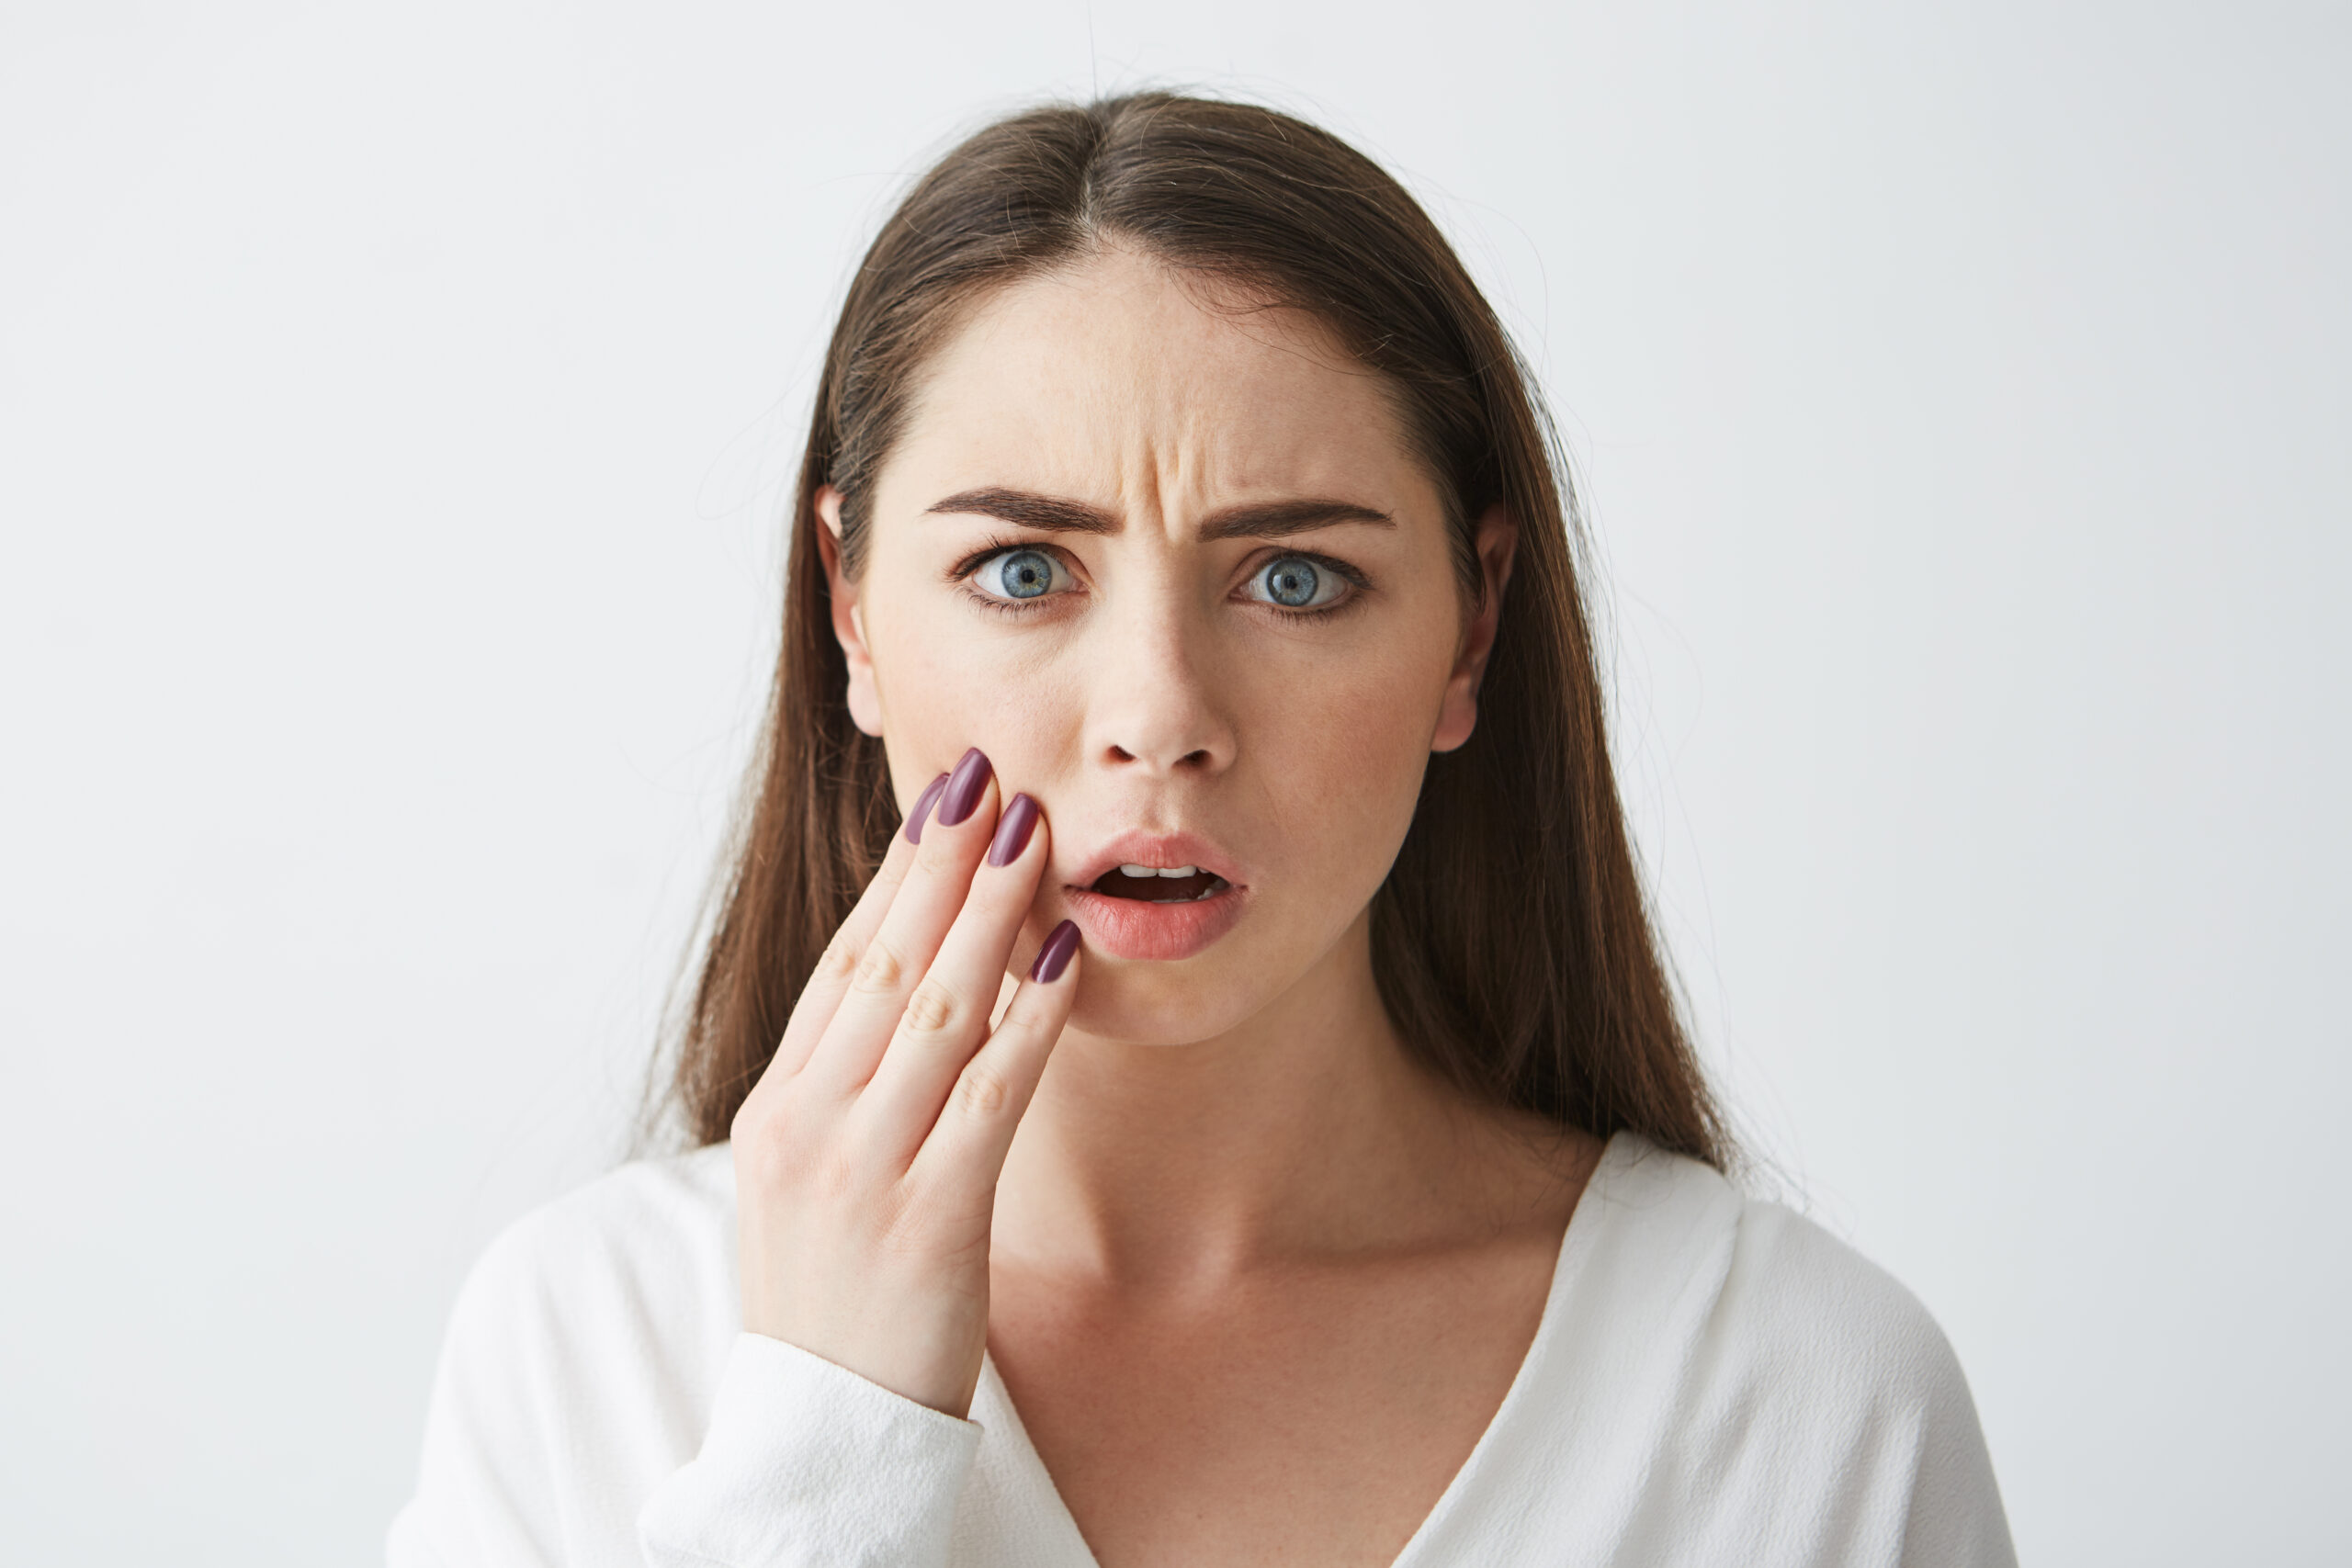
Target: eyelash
[(961, 574)]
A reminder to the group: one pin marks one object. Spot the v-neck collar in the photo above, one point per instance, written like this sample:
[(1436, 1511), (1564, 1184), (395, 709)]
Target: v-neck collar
[(1027, 1492)]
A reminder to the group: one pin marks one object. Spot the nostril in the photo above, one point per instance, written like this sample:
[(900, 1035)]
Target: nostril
[(1199, 759)]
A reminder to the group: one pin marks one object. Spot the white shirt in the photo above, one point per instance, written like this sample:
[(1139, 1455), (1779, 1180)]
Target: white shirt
[(1714, 1380)]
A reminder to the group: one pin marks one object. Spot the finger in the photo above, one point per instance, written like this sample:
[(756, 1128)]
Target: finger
[(946, 1016), (826, 983), (975, 1128), (902, 946)]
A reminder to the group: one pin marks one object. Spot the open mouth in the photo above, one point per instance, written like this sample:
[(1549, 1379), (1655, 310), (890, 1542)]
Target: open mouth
[(1150, 885), (1159, 912)]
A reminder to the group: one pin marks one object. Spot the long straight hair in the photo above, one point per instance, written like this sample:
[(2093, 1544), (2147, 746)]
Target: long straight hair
[(1512, 943)]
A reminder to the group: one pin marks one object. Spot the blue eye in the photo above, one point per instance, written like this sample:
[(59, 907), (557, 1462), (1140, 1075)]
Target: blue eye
[(1296, 583), (1018, 574)]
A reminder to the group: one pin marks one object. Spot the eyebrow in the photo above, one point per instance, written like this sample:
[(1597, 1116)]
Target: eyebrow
[(1265, 520)]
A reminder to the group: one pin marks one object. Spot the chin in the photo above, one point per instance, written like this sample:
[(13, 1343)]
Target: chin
[(1177, 1004)]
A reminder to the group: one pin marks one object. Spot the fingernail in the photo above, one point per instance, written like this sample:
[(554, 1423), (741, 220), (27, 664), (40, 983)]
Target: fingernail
[(923, 808), (1012, 833), (1054, 957), (965, 788)]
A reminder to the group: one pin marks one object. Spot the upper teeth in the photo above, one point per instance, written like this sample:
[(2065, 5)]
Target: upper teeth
[(1159, 871)]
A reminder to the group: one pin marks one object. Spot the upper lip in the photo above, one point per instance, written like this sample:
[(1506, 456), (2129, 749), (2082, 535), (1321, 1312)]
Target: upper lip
[(1159, 851)]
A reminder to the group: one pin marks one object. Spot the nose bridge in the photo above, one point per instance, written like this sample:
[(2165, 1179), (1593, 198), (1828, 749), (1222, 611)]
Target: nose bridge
[(1152, 701)]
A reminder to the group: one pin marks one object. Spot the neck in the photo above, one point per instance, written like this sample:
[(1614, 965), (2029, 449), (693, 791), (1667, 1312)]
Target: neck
[(1305, 1131)]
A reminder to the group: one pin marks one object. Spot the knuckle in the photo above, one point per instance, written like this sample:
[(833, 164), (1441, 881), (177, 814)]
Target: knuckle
[(758, 1122), (839, 960), (981, 1091), (932, 1010), (881, 968), (765, 1155), (785, 1144)]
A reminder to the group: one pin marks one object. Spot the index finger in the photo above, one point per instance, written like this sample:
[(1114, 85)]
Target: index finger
[(822, 997)]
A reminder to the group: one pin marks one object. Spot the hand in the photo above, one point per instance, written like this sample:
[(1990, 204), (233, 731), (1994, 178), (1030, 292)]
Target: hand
[(867, 1156)]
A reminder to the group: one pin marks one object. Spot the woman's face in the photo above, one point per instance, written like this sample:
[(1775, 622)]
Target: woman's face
[(1177, 573)]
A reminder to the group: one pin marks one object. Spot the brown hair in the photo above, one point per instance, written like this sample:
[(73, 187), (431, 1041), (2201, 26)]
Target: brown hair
[(1512, 942)]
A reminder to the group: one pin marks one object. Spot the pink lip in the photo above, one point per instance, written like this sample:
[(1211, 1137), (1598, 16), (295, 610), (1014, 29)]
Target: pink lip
[(1158, 850), (1126, 928), (1130, 928)]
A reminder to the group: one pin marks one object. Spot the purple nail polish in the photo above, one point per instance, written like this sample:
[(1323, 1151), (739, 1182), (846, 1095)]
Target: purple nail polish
[(1054, 956), (965, 788), (923, 808), (1012, 832)]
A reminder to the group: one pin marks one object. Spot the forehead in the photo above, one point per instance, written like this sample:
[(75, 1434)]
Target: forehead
[(1116, 375)]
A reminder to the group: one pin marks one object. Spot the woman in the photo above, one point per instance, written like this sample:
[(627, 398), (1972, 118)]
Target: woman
[(1240, 1116)]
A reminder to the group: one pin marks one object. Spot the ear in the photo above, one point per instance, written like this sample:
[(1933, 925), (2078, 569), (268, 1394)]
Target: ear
[(849, 625), (1497, 542)]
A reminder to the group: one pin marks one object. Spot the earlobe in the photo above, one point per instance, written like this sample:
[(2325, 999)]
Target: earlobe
[(1497, 546), (849, 621)]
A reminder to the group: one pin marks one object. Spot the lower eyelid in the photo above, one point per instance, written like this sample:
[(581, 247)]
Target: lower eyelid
[(1009, 606)]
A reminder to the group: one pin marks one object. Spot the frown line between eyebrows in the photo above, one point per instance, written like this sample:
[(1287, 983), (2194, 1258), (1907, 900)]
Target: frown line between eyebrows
[(1263, 520)]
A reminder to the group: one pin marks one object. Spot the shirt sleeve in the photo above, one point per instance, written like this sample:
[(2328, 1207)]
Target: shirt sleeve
[(1955, 1518), (1899, 1473), (489, 1489), (589, 1412), (806, 1463)]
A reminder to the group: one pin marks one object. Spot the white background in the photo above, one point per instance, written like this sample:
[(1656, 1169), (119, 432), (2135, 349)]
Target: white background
[(393, 413)]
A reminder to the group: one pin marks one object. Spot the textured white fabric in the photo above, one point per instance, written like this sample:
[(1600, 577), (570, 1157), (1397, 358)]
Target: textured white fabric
[(1715, 1381)]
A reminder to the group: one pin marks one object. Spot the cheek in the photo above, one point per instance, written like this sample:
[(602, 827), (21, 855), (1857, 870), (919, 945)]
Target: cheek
[(1341, 749), (949, 682)]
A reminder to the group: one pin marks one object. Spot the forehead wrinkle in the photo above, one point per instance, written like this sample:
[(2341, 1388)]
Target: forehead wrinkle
[(1067, 363)]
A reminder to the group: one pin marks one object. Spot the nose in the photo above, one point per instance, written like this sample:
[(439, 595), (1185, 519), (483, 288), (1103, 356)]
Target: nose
[(1155, 707)]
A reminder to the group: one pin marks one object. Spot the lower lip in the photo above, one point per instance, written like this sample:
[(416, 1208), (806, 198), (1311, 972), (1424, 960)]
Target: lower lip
[(1130, 928)]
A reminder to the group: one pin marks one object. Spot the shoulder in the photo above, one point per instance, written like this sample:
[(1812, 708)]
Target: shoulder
[(578, 1367), (1813, 1305), (1855, 1357), (649, 1218), (1772, 1290), (611, 1299), (644, 1253), (1800, 1368)]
